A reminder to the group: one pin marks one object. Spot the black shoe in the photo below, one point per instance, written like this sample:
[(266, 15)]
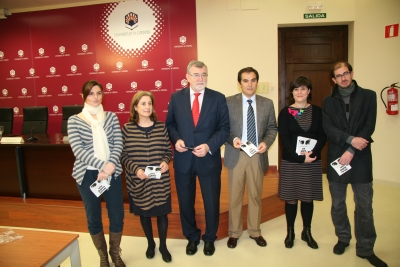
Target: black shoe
[(339, 248), (150, 251), (191, 247), (166, 256), (209, 248), (289, 240), (374, 260), (306, 236)]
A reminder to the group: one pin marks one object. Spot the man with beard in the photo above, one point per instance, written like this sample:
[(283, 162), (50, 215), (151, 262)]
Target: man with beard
[(349, 117), (198, 125)]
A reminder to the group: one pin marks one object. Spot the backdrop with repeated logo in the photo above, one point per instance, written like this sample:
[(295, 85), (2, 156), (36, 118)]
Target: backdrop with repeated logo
[(144, 45)]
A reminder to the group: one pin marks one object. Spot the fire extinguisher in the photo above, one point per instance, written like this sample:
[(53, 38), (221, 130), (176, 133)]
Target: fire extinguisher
[(392, 107)]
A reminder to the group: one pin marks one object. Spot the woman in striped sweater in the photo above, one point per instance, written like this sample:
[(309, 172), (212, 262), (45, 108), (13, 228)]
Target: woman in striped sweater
[(96, 141), (146, 143), (300, 174)]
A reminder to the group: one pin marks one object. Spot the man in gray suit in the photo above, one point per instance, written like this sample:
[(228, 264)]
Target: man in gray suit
[(252, 118)]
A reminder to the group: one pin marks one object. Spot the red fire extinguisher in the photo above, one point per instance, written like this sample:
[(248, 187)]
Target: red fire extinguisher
[(392, 107)]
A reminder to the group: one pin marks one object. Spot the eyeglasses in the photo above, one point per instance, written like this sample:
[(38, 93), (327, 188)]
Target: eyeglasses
[(347, 73), (196, 75)]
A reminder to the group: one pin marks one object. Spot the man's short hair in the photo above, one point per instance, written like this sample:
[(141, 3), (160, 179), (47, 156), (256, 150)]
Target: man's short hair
[(340, 64), (248, 69), (197, 64)]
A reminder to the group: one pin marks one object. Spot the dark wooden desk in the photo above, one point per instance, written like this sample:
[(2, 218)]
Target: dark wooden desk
[(40, 169)]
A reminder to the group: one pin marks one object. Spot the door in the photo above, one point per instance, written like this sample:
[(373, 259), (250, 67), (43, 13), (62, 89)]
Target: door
[(311, 52)]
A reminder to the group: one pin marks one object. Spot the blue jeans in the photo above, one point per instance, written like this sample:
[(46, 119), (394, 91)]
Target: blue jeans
[(363, 217), (114, 204)]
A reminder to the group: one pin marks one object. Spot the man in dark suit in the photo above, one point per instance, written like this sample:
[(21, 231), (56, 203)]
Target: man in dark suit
[(252, 118), (198, 125)]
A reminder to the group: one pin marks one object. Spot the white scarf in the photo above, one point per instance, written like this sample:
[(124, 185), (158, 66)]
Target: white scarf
[(100, 141)]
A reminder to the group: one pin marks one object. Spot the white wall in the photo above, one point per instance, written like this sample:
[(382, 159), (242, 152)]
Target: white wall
[(229, 40)]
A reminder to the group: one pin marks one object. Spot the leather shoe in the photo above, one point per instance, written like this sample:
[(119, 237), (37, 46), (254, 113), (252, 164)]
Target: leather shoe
[(166, 256), (150, 252), (191, 247), (339, 248), (260, 241), (209, 248), (374, 260), (232, 242)]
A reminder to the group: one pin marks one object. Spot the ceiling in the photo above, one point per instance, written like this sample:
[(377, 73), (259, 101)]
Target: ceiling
[(17, 6)]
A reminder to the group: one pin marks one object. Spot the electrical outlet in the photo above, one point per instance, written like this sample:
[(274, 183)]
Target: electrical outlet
[(263, 88)]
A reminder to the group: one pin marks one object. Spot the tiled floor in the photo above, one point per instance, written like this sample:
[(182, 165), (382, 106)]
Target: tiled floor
[(247, 253)]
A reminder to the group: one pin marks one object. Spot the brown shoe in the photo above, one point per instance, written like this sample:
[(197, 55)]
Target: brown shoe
[(232, 242), (260, 241)]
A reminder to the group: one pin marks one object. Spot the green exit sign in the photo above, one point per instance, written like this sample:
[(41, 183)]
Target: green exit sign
[(315, 16)]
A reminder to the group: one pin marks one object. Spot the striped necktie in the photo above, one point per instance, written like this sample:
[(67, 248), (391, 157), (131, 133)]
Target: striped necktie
[(251, 124)]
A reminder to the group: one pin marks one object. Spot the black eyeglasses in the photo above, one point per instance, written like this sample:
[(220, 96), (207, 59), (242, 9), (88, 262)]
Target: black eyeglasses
[(346, 73)]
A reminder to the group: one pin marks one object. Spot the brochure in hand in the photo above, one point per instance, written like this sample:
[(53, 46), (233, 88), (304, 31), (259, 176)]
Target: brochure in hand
[(153, 172), (339, 168), (249, 148), (305, 144), (99, 187)]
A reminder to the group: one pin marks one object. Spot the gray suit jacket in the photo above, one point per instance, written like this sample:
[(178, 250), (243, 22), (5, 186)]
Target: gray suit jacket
[(266, 128)]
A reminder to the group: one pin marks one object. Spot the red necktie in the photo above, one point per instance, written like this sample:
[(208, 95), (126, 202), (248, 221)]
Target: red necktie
[(196, 109)]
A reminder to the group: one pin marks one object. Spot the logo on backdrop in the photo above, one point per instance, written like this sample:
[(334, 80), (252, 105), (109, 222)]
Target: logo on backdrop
[(16, 110), (96, 67), (122, 32), (109, 86), (182, 40), (62, 49), (32, 71), (184, 83), (1, 55), (170, 62), (84, 48), (158, 84), (119, 65), (41, 51), (145, 64), (74, 68), (131, 20), (20, 53), (55, 109), (52, 70), (44, 90), (64, 89), (121, 106), (134, 85), (12, 73), (5, 92), (24, 91)]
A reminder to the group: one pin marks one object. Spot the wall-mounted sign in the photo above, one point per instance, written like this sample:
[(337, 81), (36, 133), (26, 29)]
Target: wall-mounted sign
[(392, 30), (315, 16)]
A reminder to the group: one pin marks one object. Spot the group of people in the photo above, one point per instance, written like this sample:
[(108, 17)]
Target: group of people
[(199, 121)]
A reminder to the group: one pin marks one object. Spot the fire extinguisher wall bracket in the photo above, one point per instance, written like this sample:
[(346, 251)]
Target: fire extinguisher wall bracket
[(392, 107)]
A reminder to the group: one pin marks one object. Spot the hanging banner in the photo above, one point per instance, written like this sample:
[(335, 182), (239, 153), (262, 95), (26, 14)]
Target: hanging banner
[(128, 47)]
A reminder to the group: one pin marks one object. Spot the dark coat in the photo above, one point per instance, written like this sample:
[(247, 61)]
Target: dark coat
[(361, 123), (289, 130), (212, 129)]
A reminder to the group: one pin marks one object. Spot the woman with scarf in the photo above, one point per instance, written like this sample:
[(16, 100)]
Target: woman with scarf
[(96, 141), (300, 177)]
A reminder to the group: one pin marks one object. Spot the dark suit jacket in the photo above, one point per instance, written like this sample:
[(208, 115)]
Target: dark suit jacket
[(212, 129), (266, 128)]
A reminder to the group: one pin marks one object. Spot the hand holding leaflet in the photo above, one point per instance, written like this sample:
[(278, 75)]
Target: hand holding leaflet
[(339, 168), (249, 148), (305, 144)]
